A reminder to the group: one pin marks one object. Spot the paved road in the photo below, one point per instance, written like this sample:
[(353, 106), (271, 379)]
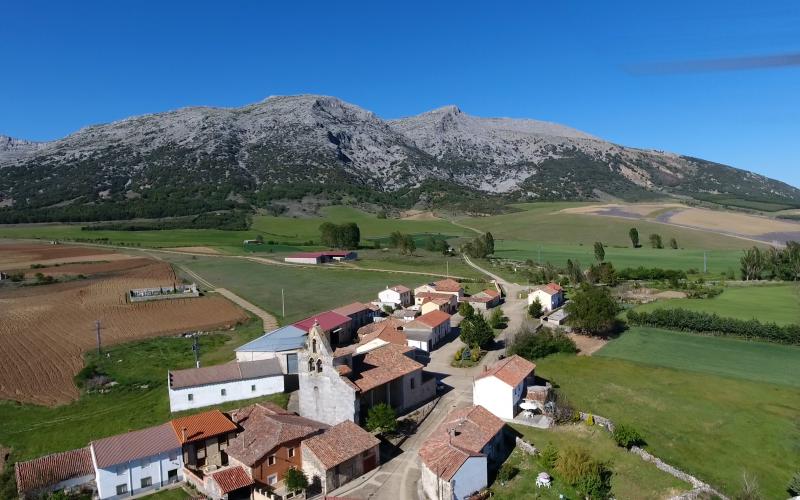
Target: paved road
[(398, 479)]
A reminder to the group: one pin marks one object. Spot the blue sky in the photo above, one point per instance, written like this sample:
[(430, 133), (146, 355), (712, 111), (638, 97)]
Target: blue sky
[(65, 65)]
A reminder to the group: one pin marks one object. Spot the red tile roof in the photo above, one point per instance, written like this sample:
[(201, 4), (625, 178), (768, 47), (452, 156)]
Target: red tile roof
[(266, 428), (433, 318), (340, 443), (202, 426), (232, 479), (387, 330), (463, 434), (49, 470), (434, 295), (399, 288), (354, 308), (134, 445), (383, 365), (305, 255), (447, 285), (550, 288), (491, 292), (511, 370), (327, 320)]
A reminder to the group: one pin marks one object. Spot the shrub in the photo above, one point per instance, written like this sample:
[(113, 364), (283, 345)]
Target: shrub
[(466, 310), (627, 436), (532, 345), (590, 477), (496, 319), (590, 420), (506, 472), (535, 310), (794, 485), (381, 418), (548, 457), (295, 480), (710, 323)]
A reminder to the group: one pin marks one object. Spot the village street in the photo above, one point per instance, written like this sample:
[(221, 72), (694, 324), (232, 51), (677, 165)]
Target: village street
[(398, 479)]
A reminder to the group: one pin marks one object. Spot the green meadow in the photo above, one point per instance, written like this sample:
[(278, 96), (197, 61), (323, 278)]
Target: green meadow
[(766, 303), (741, 359), (712, 426)]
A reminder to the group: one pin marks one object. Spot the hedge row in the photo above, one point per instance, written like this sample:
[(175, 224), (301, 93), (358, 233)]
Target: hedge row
[(712, 324)]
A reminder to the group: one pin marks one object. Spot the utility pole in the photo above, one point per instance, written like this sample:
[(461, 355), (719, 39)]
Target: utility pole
[(705, 262), (196, 350), (97, 334), (540, 255), (447, 262), (283, 305)]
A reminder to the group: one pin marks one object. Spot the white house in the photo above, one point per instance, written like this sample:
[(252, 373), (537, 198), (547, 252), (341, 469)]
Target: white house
[(212, 385), (501, 387), (136, 462), (551, 296), (282, 344), (457, 456), (397, 295), (428, 330)]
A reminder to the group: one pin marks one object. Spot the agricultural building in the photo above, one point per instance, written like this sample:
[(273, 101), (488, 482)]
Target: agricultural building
[(67, 470), (320, 257), (212, 385)]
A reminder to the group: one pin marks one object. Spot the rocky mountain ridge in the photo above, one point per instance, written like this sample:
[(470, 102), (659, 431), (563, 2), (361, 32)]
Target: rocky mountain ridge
[(291, 143)]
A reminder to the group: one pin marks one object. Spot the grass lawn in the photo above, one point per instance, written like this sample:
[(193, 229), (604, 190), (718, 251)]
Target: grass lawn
[(307, 290), (171, 494), (754, 361), (541, 223), (140, 400), (421, 261), (295, 231), (711, 426), (632, 477), (766, 303), (557, 254)]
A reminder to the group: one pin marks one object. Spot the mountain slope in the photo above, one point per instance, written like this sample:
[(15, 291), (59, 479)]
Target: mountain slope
[(201, 158)]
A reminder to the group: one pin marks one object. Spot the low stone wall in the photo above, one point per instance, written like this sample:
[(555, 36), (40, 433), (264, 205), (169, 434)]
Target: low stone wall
[(163, 293), (699, 487), (525, 446)]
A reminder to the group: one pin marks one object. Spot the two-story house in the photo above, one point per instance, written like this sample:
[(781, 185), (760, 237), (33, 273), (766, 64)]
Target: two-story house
[(395, 296), (501, 387), (551, 296), (203, 438)]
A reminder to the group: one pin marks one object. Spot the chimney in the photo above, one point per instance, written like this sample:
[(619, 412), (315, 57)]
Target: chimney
[(183, 434)]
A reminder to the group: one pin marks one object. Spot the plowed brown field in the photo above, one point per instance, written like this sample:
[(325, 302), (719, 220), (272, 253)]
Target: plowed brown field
[(44, 330)]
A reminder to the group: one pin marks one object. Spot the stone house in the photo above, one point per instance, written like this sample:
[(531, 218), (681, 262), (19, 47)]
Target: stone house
[(203, 437), (501, 387), (343, 384), (339, 455), (458, 454)]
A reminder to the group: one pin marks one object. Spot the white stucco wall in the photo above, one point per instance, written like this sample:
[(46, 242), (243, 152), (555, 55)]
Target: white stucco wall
[(207, 395), (301, 260), (471, 477), (494, 395), (131, 473)]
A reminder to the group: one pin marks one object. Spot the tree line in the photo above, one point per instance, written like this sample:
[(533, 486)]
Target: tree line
[(773, 263), (346, 236), (480, 247), (712, 324)]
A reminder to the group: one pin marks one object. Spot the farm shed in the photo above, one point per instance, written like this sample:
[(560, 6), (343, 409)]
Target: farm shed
[(212, 385), (66, 470)]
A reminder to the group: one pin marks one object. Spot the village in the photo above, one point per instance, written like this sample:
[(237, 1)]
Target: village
[(344, 368)]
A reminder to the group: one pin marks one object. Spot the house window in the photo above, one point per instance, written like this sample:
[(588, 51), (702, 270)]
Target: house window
[(122, 489), (271, 460), (253, 388), (190, 396), (272, 479), (223, 392), (290, 452), (147, 482)]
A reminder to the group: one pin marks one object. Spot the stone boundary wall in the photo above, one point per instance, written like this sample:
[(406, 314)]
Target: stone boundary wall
[(163, 293), (525, 446), (699, 487)]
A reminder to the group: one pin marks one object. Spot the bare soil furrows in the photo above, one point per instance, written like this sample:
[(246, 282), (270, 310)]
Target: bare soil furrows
[(44, 330), (22, 255)]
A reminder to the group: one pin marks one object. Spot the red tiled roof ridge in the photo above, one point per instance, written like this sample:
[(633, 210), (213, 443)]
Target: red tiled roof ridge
[(340, 443), (231, 479), (511, 370), (49, 470)]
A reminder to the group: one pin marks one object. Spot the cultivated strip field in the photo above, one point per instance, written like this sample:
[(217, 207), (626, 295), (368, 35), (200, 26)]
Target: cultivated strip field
[(44, 330)]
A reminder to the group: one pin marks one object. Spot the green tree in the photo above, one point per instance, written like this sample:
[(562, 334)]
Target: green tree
[(327, 234), (532, 345), (295, 480), (655, 241), (476, 331), (496, 319), (673, 243), (489, 240), (752, 264), (592, 310), (633, 234), (574, 272), (395, 239), (535, 310), (794, 485), (466, 310), (381, 418), (599, 251)]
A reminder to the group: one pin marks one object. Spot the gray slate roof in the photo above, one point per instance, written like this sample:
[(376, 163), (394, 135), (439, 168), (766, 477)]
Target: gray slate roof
[(230, 372)]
